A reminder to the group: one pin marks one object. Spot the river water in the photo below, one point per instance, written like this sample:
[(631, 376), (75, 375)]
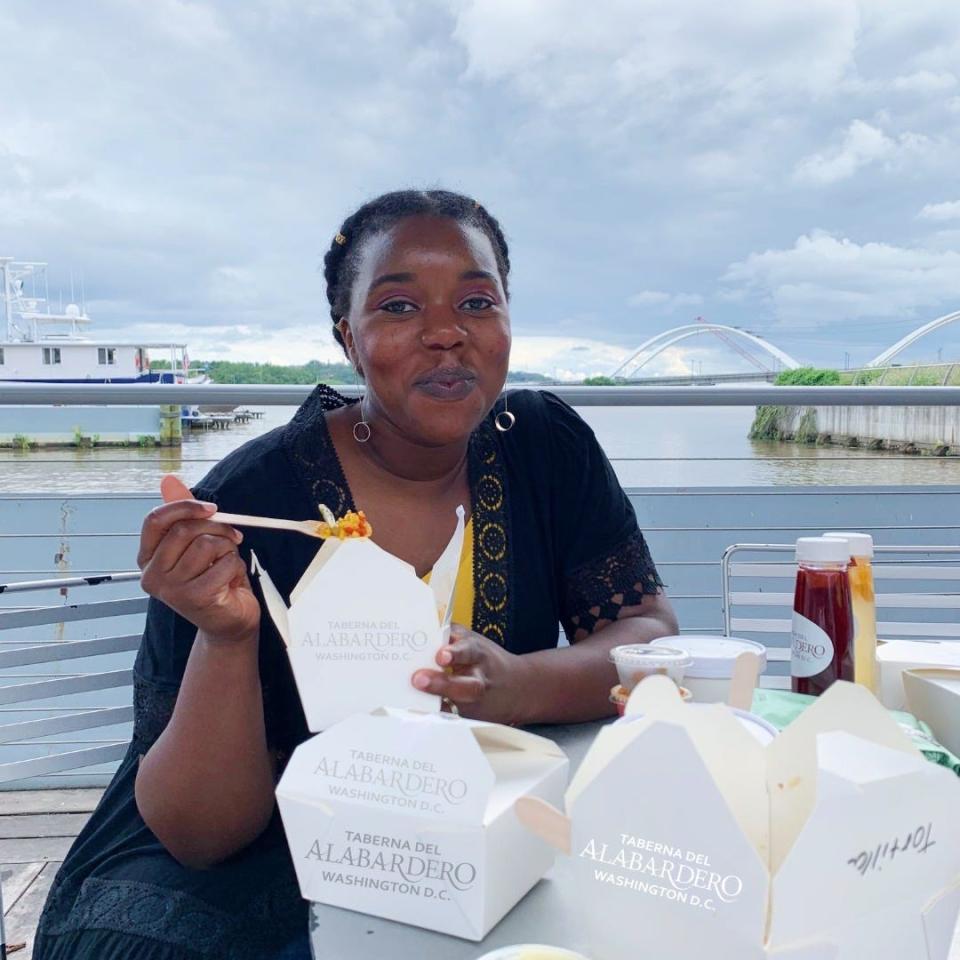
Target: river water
[(649, 447)]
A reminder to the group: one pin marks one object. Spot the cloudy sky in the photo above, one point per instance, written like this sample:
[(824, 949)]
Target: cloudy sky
[(788, 167)]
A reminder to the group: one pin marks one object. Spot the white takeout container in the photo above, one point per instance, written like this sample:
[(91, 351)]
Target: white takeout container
[(837, 841), (411, 817), (897, 656), (713, 657), (933, 696), (360, 623), (637, 661)]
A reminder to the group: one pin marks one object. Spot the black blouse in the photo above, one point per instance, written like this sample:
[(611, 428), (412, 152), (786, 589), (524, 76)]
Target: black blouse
[(555, 542)]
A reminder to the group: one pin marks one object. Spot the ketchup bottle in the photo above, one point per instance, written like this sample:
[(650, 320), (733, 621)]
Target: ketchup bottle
[(822, 638)]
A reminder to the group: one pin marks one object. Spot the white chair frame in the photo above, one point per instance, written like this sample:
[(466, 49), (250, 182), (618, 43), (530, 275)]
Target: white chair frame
[(929, 565)]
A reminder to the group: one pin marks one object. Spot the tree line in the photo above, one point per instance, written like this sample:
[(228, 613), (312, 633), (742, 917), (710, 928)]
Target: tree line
[(314, 371)]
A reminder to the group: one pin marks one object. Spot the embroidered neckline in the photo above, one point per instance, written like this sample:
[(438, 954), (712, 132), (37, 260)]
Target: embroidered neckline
[(491, 537), (313, 457)]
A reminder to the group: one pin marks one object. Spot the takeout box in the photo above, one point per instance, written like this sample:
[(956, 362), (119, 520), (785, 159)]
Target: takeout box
[(360, 623), (933, 696), (411, 817), (897, 656), (689, 839)]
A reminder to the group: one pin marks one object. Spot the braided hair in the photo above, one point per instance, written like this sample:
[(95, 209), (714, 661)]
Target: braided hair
[(341, 261)]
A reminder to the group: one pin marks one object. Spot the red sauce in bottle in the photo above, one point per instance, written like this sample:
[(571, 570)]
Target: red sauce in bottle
[(823, 626)]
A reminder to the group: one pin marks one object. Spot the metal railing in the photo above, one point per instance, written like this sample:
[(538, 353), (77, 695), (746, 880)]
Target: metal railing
[(15, 394), (72, 720), (688, 533), (935, 566)]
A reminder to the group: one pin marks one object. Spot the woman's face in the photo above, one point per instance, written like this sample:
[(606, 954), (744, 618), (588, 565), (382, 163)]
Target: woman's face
[(428, 328)]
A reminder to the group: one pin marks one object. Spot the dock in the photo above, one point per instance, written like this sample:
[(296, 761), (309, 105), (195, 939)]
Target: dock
[(219, 421), (37, 828)]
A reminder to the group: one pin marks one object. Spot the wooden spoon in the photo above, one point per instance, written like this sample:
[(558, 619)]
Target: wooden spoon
[(173, 488), (308, 527)]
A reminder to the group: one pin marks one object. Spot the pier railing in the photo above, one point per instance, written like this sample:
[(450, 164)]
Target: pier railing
[(727, 395), (67, 648)]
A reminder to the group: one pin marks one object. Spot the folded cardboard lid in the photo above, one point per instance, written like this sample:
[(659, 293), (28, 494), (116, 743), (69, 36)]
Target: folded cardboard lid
[(418, 764), (770, 790), (379, 563), (733, 758)]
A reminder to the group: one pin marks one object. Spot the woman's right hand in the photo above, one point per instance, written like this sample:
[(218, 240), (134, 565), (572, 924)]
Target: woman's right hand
[(192, 564)]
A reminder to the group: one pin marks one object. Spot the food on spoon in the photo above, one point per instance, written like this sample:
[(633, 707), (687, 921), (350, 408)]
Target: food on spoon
[(352, 525)]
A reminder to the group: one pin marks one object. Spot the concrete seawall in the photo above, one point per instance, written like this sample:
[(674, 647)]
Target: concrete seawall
[(910, 429), (43, 426)]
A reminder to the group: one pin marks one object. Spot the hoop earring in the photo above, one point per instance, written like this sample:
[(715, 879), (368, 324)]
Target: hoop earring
[(504, 420), (361, 429)]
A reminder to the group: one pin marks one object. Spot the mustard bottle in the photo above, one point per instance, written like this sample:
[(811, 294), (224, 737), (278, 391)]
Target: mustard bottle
[(862, 594)]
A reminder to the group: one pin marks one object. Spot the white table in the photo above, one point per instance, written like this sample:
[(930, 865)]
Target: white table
[(543, 916)]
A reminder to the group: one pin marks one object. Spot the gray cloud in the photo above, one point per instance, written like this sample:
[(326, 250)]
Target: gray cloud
[(194, 158)]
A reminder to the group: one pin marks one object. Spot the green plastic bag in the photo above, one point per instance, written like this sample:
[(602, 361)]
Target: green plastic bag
[(781, 708)]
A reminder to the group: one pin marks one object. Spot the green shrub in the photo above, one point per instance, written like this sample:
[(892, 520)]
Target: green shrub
[(599, 382), (808, 377), (807, 427), (768, 423)]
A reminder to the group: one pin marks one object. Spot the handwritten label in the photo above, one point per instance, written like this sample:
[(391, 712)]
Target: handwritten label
[(918, 841)]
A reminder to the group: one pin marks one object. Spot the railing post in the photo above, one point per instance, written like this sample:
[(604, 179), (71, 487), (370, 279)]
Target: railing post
[(171, 427)]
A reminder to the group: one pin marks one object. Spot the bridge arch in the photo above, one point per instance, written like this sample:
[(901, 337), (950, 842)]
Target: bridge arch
[(663, 341), (911, 338)]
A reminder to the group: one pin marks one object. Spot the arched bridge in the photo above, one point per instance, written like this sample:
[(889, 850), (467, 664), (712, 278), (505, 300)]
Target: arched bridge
[(735, 338), (884, 358)]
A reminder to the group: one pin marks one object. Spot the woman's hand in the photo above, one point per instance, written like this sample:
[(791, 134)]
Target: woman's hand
[(193, 566), (479, 677)]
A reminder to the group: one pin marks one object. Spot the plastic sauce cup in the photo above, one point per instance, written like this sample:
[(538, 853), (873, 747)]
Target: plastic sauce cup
[(708, 676), (637, 661), (619, 696)]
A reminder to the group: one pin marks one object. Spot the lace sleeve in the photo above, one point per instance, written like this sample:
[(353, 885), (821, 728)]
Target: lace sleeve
[(596, 592), (152, 708)]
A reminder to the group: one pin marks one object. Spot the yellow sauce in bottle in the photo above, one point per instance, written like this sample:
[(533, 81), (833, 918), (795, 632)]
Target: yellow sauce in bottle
[(865, 623), (864, 602)]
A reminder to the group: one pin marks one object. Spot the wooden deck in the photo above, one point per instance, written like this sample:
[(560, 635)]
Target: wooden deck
[(36, 830)]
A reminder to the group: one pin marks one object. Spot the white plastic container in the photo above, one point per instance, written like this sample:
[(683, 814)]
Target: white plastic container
[(637, 661), (708, 676), (532, 951), (761, 730)]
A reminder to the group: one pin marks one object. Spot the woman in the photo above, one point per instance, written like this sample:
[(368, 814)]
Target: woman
[(185, 855)]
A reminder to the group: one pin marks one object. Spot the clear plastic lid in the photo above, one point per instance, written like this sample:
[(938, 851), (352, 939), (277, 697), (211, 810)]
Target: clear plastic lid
[(647, 655), (859, 544), (816, 550)]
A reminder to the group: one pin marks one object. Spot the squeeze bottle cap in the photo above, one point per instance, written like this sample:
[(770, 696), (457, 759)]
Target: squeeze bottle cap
[(860, 544), (822, 550)]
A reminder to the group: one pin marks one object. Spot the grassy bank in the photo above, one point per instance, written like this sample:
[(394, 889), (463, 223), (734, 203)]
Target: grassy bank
[(799, 424), (774, 422)]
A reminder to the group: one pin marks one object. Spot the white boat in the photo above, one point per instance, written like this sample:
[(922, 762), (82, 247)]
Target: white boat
[(43, 346)]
